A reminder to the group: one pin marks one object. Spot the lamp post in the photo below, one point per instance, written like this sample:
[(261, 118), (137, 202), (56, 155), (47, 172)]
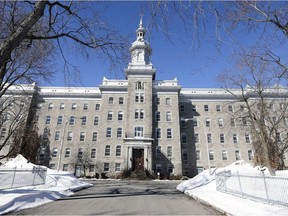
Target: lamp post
[(61, 145), (207, 146)]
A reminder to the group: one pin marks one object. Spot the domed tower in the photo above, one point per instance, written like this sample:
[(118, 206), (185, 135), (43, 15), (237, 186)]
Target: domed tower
[(139, 120)]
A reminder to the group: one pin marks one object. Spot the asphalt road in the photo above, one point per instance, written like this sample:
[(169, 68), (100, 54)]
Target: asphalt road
[(125, 198)]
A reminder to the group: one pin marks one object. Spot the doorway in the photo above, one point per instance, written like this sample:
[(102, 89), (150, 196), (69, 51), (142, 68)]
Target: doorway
[(138, 160)]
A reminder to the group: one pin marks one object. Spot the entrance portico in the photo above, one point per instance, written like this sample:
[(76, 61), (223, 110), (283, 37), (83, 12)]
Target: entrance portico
[(139, 154)]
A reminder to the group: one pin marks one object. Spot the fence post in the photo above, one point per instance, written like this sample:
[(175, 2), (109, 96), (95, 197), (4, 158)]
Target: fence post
[(266, 190), (13, 177), (240, 183)]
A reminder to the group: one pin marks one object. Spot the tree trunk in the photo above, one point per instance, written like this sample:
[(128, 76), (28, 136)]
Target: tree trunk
[(15, 38)]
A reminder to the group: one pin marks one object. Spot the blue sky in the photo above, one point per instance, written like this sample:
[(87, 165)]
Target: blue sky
[(194, 66)]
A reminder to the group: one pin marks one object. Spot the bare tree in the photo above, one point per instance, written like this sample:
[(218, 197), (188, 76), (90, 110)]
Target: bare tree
[(264, 107), (14, 111), (31, 32)]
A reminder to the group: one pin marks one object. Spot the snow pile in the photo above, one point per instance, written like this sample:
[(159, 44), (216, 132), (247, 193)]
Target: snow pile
[(203, 187), (58, 185)]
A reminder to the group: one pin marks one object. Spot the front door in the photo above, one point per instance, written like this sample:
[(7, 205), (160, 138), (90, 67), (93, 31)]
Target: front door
[(138, 160)]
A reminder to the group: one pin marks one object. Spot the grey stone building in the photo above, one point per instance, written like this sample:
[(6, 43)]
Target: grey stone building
[(141, 123)]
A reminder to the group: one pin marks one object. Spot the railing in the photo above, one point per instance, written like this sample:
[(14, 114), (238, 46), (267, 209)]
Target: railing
[(19, 177), (270, 189)]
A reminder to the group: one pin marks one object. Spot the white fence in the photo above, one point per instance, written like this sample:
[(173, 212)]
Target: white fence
[(270, 189), (19, 177)]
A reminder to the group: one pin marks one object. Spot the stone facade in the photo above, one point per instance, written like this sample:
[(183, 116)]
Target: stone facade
[(141, 123)]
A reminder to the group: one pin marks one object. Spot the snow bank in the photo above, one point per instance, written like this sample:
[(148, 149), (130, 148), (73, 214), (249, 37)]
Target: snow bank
[(203, 187), (58, 185)]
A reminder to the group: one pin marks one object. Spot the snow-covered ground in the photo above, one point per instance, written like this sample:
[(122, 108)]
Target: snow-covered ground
[(58, 185), (202, 187)]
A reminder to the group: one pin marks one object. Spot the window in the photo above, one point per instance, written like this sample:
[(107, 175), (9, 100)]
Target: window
[(158, 151), (110, 115), (54, 152), (206, 108), (62, 106), (168, 101), (139, 97), (222, 138), (182, 108), (106, 167), (97, 107), (235, 138), (194, 108), (59, 120), (184, 155), (109, 132), (250, 155), (118, 150), (195, 122), (110, 100), (183, 138), (96, 120), (233, 122), (169, 133), (70, 136), (170, 168), (278, 137), (158, 101), (94, 136), (241, 108), (139, 85), (91, 168), (48, 120), (230, 108), (196, 138), (72, 120), (45, 133), (107, 150), (182, 122), (138, 132), (237, 155), (247, 138), (139, 114), (65, 167), (198, 155), (169, 151), (93, 153), (50, 106), (84, 120), (121, 100), (52, 166), (120, 115), (74, 106), (244, 121), (57, 135), (208, 122), (211, 155), (220, 122), (224, 155), (168, 116), (209, 138), (67, 152), (158, 168), (158, 133), (117, 167), (158, 116), (82, 136), (85, 107), (3, 132), (218, 108), (119, 132)]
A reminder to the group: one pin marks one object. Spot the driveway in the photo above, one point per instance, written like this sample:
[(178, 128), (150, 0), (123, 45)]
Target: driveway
[(125, 198)]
